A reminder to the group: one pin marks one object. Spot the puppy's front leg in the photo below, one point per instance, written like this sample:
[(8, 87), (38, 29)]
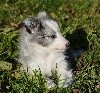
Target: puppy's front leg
[(65, 77)]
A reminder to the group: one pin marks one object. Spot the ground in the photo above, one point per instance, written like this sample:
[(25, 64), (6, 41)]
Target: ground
[(79, 21)]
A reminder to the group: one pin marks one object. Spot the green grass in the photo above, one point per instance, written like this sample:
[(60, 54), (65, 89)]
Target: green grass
[(75, 17)]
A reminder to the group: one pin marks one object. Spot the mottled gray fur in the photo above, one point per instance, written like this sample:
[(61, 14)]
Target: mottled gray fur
[(42, 34)]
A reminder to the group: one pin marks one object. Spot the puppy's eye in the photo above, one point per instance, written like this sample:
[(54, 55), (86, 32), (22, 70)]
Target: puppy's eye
[(43, 37), (51, 36)]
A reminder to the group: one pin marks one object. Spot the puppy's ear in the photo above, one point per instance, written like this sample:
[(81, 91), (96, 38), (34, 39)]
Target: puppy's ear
[(43, 15), (32, 25)]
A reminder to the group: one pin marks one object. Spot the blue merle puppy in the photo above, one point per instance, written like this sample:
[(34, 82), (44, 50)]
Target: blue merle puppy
[(42, 47)]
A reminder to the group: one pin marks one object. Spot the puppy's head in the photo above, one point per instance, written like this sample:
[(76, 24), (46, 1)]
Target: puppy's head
[(45, 32)]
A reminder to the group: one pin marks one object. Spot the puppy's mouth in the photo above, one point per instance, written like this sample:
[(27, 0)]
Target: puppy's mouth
[(60, 50)]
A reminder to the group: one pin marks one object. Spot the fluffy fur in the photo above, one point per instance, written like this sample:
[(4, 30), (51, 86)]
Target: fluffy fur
[(42, 47)]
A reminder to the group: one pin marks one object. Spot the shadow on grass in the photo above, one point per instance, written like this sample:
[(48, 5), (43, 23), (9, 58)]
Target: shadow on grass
[(78, 39), (78, 45)]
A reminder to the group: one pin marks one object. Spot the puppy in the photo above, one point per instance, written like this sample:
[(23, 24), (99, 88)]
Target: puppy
[(42, 47)]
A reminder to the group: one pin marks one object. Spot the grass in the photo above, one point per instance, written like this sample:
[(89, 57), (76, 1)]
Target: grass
[(79, 21)]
